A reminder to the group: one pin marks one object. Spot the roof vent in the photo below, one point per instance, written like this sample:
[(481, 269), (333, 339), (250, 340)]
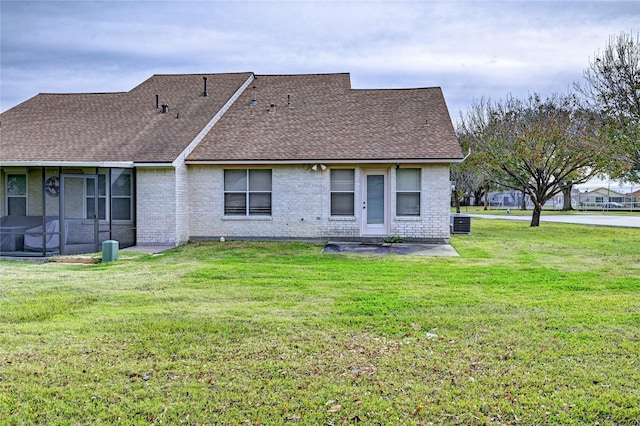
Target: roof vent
[(165, 108), (288, 101), (157, 101), (254, 99), (205, 93)]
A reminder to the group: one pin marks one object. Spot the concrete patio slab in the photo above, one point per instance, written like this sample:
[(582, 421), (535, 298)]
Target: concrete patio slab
[(390, 248)]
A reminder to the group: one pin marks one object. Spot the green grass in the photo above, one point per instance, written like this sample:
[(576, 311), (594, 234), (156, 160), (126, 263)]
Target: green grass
[(528, 325)]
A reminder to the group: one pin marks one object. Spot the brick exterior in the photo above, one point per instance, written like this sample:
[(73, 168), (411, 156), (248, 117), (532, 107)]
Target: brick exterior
[(156, 206), (301, 207)]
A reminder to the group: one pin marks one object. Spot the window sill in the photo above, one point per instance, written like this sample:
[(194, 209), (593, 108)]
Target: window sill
[(248, 218), (408, 218), (342, 218)]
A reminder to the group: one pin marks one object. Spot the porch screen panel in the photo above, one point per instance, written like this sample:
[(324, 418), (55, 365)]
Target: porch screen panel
[(121, 195), (102, 198)]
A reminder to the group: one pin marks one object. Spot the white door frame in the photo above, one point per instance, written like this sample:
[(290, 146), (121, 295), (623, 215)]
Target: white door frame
[(376, 229)]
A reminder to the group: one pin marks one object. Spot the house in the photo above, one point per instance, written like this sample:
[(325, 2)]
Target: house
[(194, 157), (604, 198)]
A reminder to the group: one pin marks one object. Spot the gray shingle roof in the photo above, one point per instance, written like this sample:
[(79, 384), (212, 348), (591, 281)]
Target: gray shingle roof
[(327, 120), (115, 126)]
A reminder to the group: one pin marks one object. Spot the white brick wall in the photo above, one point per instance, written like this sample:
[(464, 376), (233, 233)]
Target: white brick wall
[(156, 202), (301, 206), (433, 222), (297, 199), (182, 203)]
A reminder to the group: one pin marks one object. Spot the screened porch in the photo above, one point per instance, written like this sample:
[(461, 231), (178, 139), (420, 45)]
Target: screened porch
[(48, 211)]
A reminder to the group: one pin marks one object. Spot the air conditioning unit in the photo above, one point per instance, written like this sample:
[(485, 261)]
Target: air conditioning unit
[(460, 224)]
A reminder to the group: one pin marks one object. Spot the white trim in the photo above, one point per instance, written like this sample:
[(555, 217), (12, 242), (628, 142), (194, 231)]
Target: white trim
[(327, 162), (75, 164), (26, 191), (247, 218), (367, 230), (342, 218), (194, 143), (153, 165)]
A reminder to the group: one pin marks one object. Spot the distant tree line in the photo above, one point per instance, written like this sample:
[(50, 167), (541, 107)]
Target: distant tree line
[(543, 147)]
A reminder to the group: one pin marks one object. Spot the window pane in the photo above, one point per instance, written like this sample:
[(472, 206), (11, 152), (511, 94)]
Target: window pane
[(375, 199), (91, 209), (90, 188), (235, 204), (342, 204), (121, 209), (102, 185), (408, 204), (260, 203), (17, 206), (342, 180), (16, 185), (408, 179), (121, 186), (235, 180), (259, 180), (102, 203)]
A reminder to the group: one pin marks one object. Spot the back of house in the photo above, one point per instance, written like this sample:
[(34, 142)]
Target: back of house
[(194, 157)]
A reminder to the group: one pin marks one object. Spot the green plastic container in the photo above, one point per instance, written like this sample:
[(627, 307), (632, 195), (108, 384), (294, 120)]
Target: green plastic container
[(110, 251)]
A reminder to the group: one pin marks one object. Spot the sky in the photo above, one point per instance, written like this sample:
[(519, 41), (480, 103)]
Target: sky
[(471, 49)]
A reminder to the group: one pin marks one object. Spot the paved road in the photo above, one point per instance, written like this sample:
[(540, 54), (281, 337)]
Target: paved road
[(578, 218)]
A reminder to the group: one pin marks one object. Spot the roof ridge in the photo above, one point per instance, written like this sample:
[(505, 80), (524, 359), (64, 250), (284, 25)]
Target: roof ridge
[(303, 75), (201, 74)]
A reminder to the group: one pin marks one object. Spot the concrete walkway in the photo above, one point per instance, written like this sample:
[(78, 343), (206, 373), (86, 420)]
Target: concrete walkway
[(623, 221), (149, 249)]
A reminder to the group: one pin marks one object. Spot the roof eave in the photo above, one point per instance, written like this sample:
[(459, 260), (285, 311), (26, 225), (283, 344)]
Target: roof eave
[(329, 161), (99, 164)]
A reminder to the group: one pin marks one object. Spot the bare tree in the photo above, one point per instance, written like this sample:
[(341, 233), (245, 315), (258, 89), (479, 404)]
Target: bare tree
[(468, 177), (535, 145), (613, 89)]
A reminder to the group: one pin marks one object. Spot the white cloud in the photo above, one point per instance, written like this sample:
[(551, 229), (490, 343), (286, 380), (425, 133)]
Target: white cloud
[(471, 49)]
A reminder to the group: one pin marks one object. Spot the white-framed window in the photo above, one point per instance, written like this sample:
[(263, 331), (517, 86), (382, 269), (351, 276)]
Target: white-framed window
[(122, 194), (17, 194), (342, 192), (247, 192), (407, 192), (120, 191), (90, 194)]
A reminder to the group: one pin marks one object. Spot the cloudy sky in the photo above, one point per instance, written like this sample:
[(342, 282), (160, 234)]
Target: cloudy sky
[(471, 49)]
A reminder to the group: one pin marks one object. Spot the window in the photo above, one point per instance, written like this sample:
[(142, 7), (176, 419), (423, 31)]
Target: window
[(408, 192), (247, 192), (342, 192), (121, 194), (17, 195), (102, 198)]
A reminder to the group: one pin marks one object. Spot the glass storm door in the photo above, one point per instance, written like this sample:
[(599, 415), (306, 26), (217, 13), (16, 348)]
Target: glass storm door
[(79, 213), (374, 203)]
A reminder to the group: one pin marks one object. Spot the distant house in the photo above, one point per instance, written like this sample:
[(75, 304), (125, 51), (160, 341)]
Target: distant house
[(602, 197), (193, 157)]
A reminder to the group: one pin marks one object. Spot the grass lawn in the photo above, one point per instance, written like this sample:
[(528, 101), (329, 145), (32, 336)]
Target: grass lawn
[(528, 325)]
